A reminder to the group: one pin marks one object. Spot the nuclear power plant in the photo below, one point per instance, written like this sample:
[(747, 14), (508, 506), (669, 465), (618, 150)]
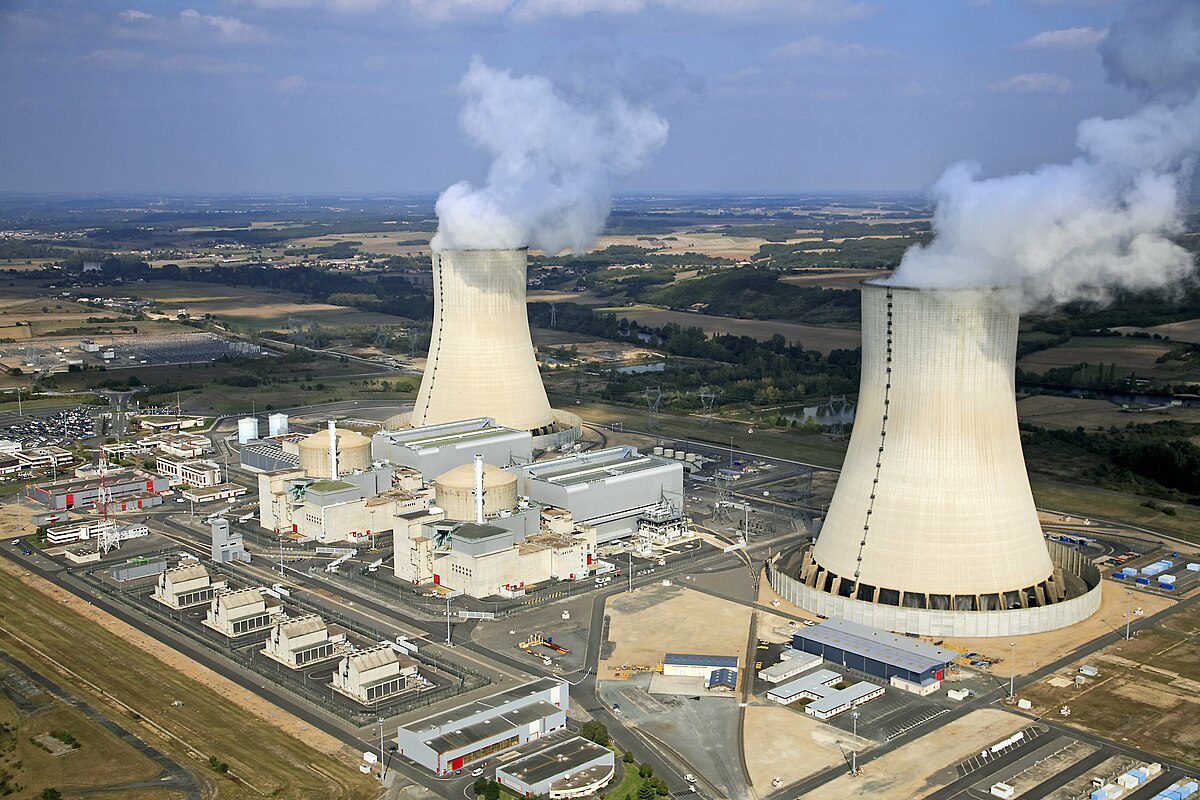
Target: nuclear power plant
[(481, 357), (932, 528)]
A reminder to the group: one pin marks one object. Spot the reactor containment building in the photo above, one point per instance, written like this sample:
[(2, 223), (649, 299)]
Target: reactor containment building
[(932, 528), (481, 358)]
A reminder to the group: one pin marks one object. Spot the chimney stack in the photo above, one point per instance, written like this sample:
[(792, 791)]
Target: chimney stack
[(333, 465), (479, 489)]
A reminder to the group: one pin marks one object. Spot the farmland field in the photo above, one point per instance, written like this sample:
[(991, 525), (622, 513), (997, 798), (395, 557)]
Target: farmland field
[(1131, 354), (1051, 411), (813, 337), (834, 278)]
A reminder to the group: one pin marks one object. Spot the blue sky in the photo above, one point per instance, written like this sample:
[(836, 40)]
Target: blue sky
[(358, 96)]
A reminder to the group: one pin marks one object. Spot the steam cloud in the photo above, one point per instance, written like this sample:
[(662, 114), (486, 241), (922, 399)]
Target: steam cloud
[(549, 185), (1101, 223)]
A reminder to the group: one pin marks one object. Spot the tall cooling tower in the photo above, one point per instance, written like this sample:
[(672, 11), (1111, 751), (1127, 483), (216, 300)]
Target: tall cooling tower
[(933, 510), (481, 359)]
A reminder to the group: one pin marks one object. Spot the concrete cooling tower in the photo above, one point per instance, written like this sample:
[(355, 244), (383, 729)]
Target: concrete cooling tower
[(932, 528), (481, 359)]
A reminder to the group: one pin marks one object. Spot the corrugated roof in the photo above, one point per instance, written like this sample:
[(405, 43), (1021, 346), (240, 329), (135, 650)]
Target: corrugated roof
[(241, 598), (822, 677), (309, 623), (695, 660), (566, 756), (374, 658), (479, 708), (189, 572), (723, 677), (843, 697), (478, 731), (884, 646)]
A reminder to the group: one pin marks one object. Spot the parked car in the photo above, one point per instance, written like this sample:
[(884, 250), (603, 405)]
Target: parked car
[(475, 773)]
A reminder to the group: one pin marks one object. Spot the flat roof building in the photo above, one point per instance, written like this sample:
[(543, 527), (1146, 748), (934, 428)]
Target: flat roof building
[(834, 703), (453, 739), (811, 687), (436, 449), (606, 489), (695, 665), (792, 663), (875, 652), (575, 767), (121, 485)]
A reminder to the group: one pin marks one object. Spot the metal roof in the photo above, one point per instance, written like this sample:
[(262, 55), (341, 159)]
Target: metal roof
[(300, 626), (694, 660), (811, 681), (843, 697), (790, 666), (483, 706), (476, 532), (883, 646), (597, 466), (566, 756), (490, 726), (723, 677)]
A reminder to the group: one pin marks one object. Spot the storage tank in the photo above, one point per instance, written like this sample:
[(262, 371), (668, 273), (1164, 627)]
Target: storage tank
[(353, 453), (454, 491), (933, 509), (690, 457), (247, 429), (277, 424), (481, 359), (668, 453), (658, 450), (680, 455)]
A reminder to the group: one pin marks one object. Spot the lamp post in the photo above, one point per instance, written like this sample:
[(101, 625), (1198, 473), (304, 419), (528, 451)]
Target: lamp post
[(1128, 613), (448, 620), (1012, 669), (854, 751), (382, 760)]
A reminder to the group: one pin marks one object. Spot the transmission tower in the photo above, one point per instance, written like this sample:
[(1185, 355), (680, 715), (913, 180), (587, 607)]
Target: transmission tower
[(553, 315), (723, 501), (653, 398), (107, 537), (708, 397)]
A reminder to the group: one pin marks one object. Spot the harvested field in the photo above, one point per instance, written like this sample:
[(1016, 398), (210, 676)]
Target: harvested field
[(1146, 694), (1051, 411), (814, 337), (656, 619), (713, 244), (921, 766), (1185, 331), (555, 296), (385, 243), (834, 278), (1130, 354), (266, 748)]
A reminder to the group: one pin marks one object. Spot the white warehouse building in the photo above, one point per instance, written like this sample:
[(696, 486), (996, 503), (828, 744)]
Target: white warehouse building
[(608, 490)]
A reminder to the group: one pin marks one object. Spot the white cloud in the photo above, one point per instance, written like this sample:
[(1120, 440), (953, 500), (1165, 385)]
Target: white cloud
[(822, 10), (817, 46), (1066, 38), (533, 9), (205, 65), (133, 15), (290, 84), (1033, 83), (915, 89), (115, 58), (229, 29)]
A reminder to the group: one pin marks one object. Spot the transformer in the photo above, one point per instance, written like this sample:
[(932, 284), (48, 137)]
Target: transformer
[(481, 359), (933, 515)]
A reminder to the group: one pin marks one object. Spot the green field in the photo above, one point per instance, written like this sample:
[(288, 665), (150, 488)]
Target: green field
[(1106, 504)]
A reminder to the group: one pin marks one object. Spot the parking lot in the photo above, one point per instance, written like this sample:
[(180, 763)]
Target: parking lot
[(1185, 579), (41, 427)]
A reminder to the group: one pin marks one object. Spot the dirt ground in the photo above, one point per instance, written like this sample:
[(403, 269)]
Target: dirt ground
[(181, 663), (1147, 693), (786, 744), (1039, 649), (657, 619), (921, 766), (813, 337)]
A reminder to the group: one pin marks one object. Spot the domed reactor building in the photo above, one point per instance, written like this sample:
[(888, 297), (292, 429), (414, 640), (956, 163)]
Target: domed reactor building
[(932, 527), (481, 358)]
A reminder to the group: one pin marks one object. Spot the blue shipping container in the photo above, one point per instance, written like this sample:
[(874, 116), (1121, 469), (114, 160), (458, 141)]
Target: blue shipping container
[(1099, 794), (1144, 581)]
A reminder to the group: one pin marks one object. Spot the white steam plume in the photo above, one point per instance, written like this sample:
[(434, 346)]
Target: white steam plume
[(1101, 223), (549, 185)]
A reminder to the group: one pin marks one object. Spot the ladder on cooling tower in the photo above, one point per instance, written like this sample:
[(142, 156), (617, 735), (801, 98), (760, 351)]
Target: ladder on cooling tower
[(887, 396)]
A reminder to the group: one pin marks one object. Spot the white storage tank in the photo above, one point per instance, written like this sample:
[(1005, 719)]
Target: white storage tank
[(277, 424), (658, 450), (680, 455), (247, 429), (668, 453)]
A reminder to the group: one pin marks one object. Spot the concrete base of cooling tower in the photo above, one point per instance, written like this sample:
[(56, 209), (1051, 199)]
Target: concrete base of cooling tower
[(928, 622), (565, 430)]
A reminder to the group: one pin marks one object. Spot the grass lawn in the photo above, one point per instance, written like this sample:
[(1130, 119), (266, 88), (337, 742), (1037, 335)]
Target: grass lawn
[(1092, 501), (258, 752)]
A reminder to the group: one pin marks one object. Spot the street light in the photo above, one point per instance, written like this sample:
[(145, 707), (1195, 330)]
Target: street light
[(1012, 669), (854, 751), (382, 760)]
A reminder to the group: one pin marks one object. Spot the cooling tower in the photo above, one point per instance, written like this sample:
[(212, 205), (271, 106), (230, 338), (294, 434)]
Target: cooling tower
[(932, 527), (481, 359)]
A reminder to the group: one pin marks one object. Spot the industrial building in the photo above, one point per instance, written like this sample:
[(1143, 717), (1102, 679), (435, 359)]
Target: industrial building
[(82, 530), (575, 767), (199, 473), (352, 508), (125, 489), (480, 537), (240, 612), (270, 455), (811, 686), (299, 641), (444, 742), (185, 586), (50, 458), (834, 703), (227, 544), (692, 665), (610, 490), (179, 445), (375, 674), (210, 494), (436, 449), (825, 700), (875, 652), (932, 527)]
